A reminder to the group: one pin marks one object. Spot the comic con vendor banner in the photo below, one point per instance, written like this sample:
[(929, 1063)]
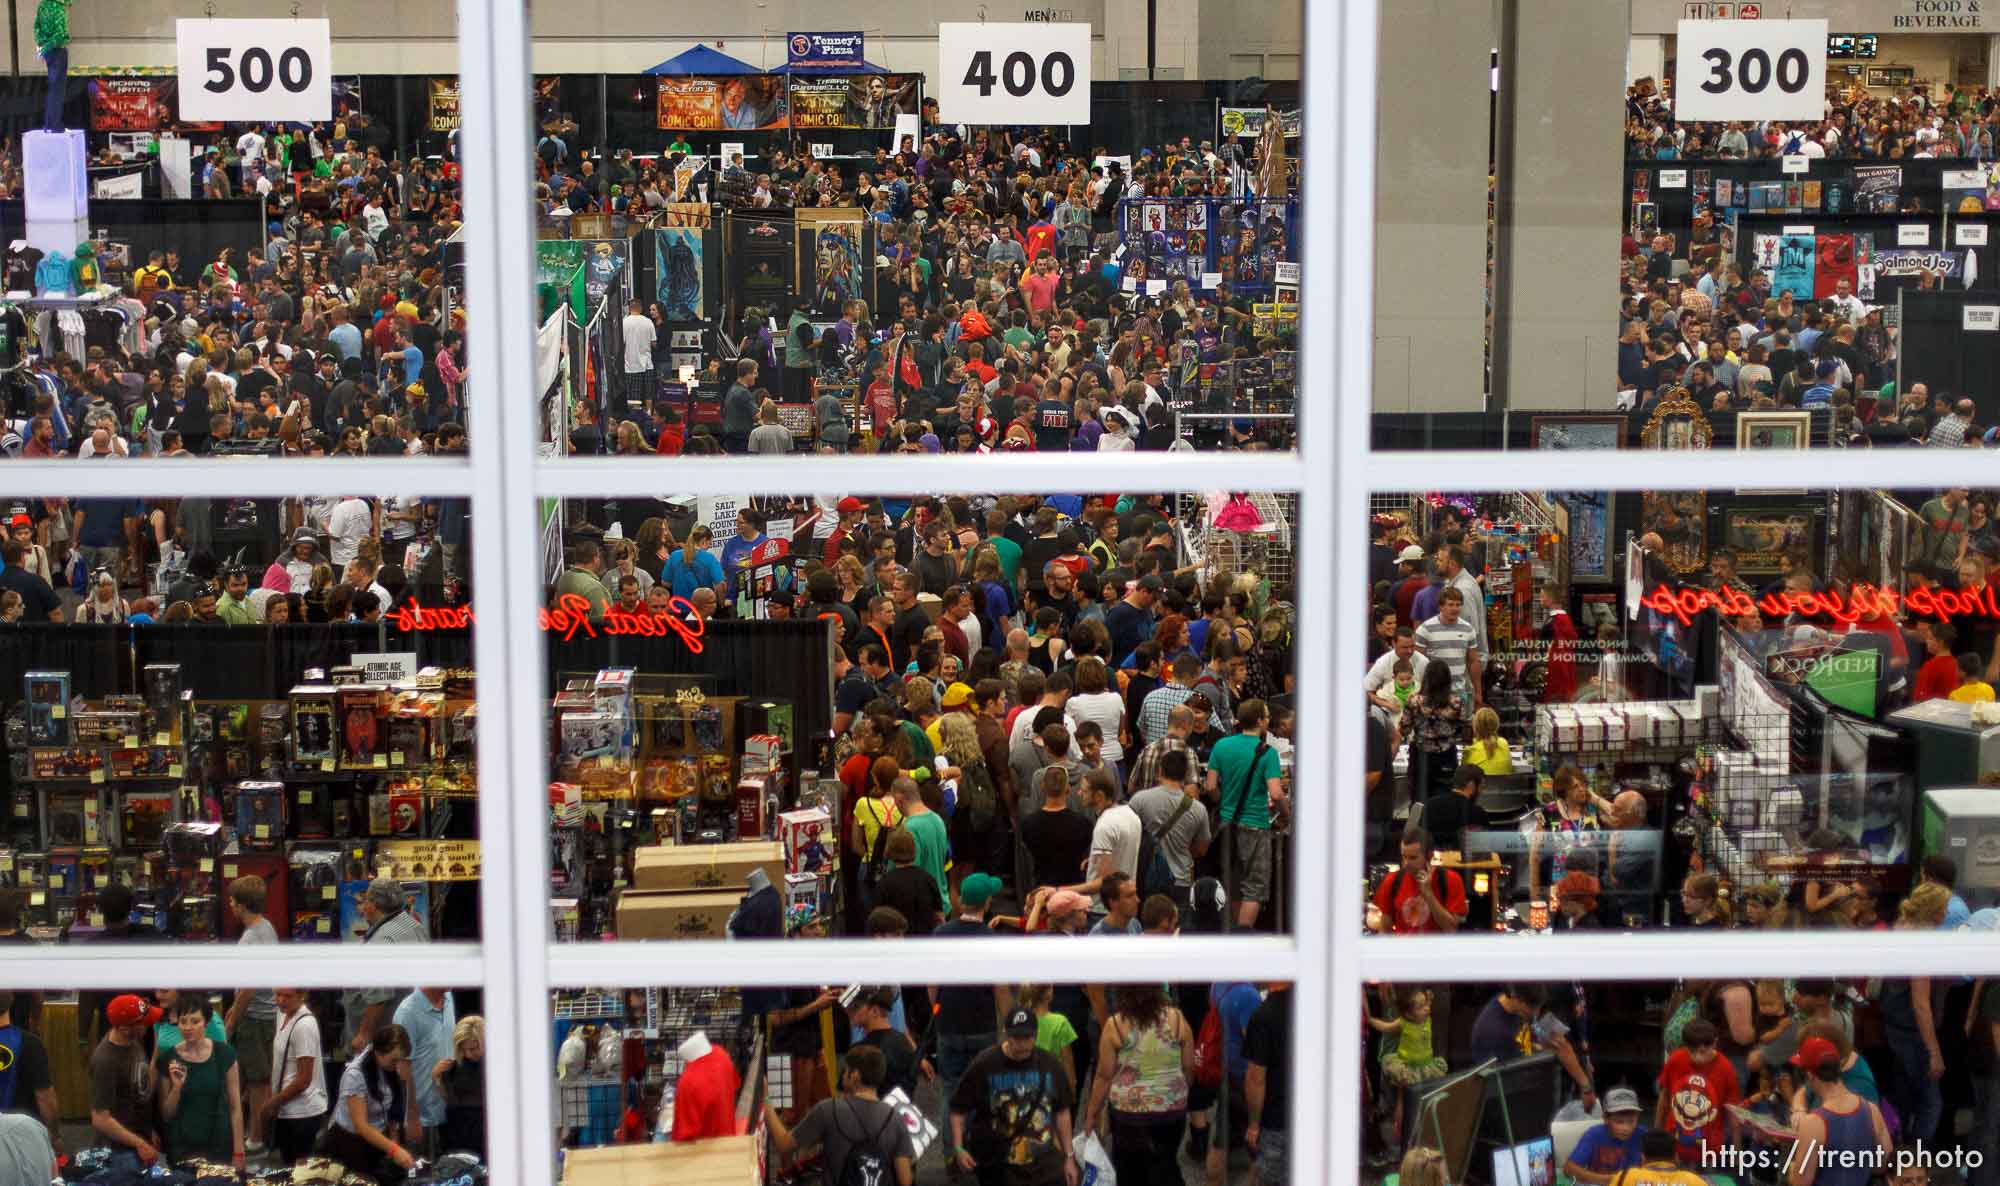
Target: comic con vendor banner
[(721, 103), (869, 101)]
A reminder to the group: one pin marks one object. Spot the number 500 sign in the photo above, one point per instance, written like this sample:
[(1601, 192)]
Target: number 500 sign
[(1750, 70), (255, 71), (1021, 73)]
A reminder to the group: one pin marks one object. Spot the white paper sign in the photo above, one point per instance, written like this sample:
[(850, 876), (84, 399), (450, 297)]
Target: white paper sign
[(1210, 279), (1758, 70), (260, 71), (1981, 319), (132, 186), (1798, 230), (1970, 234), (1913, 234), (821, 151), (909, 133), (1155, 287), (1673, 178), (1796, 163), (1285, 273), (730, 151), (1964, 179), (391, 667), (1014, 73), (1128, 284)]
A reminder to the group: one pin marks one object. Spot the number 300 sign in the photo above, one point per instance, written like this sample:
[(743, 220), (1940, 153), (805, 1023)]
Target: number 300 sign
[(258, 71), (1750, 70), (1020, 73)]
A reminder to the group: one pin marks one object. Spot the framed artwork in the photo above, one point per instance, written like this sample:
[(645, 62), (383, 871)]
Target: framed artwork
[(1677, 424), (1680, 519), (1761, 536), (1577, 432), (1773, 430), (1591, 523)]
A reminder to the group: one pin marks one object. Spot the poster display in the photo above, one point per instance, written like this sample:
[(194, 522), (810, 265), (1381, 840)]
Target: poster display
[(1878, 189), (760, 263), (1241, 242), (1835, 263), (602, 268), (444, 105), (682, 294), (871, 101), (729, 103), (130, 104), (1247, 123), (1794, 270), (831, 252)]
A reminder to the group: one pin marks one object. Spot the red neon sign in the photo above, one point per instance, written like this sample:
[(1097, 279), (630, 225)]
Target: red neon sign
[(569, 617), (1862, 602)]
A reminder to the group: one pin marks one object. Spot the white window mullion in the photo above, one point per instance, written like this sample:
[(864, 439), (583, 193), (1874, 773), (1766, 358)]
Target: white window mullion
[(237, 477), (996, 473), (122, 965), (1670, 954), (1639, 470)]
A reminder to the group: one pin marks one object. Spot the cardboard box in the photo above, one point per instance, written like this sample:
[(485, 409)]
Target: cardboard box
[(705, 867), (721, 1161), (810, 843), (651, 914)]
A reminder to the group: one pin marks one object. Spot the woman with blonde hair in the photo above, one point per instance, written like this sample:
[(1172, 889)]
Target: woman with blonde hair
[(462, 1081), (1422, 1166), (1910, 1024)]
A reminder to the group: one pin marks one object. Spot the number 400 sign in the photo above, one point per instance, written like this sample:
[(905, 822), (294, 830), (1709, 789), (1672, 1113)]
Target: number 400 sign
[(1018, 73), (257, 71), (1750, 70)]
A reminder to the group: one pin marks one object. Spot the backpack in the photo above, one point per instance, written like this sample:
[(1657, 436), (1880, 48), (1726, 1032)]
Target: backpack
[(976, 795), (877, 862), (1155, 875), (1208, 1048), (866, 1165)]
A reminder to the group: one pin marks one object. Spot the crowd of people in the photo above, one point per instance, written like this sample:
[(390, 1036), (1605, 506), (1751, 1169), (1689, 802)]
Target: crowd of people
[(329, 336), (1960, 123), (201, 1083), (999, 316)]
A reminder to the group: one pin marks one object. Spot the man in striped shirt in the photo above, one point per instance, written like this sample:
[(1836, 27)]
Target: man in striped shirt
[(1161, 701), (1453, 641)]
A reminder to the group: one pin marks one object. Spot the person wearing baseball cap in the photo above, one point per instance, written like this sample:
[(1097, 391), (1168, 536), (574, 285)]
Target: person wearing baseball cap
[(121, 1083), (1019, 1133), (1843, 1130), (1613, 1146)]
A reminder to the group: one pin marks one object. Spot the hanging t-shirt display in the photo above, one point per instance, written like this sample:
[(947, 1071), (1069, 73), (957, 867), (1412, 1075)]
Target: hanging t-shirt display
[(13, 338)]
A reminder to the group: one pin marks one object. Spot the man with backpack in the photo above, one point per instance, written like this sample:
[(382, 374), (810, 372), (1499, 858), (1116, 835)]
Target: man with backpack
[(865, 1143), (1177, 823), (25, 1084), (1245, 771)]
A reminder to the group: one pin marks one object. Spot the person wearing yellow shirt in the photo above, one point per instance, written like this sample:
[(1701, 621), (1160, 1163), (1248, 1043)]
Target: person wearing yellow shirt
[(1489, 750), (1971, 689), (1659, 1168)]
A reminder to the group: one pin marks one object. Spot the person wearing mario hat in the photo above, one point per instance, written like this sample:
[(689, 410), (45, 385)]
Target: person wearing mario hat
[(121, 1083), (1842, 1130)]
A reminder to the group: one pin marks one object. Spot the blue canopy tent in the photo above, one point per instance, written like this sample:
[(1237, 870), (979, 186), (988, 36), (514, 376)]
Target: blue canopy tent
[(703, 60)]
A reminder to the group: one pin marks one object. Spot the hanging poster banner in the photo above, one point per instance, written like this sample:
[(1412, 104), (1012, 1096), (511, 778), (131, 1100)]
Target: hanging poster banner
[(129, 104), (824, 51), (1836, 263), (871, 101), (831, 253), (1878, 189), (131, 185), (444, 105), (728, 103), (1794, 272), (679, 252), (1247, 123), (760, 263)]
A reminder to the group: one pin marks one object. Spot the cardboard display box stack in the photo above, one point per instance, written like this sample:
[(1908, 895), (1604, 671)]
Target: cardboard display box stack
[(723, 1161), (688, 891)]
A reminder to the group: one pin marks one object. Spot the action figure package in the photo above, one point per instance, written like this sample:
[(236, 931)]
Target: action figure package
[(75, 820), (260, 815), (311, 811), (192, 850), (413, 728), (360, 707), (67, 765), (461, 735), (47, 694), (146, 762), (312, 725), (707, 723), (807, 837), (315, 877), (93, 870), (107, 727), (63, 878), (163, 701), (143, 818), (406, 814)]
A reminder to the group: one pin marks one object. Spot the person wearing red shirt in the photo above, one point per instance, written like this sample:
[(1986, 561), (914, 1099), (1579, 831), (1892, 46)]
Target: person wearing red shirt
[(1039, 285), (1938, 677), (975, 361), (1418, 898), (1410, 563), (849, 509), (1561, 685), (1697, 1086)]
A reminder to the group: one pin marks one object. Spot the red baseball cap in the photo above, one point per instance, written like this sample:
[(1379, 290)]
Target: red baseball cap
[(850, 504), (20, 521), (131, 1010), (1813, 1052)]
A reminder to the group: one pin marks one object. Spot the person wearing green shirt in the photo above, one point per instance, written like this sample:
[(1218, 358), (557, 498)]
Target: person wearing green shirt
[(52, 40), (200, 1092), (1005, 550), (584, 578), (234, 605), (1245, 772), (926, 827), (681, 147)]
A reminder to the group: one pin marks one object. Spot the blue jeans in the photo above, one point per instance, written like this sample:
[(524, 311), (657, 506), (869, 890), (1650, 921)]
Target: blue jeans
[(1917, 1095), (955, 1053), (57, 60)]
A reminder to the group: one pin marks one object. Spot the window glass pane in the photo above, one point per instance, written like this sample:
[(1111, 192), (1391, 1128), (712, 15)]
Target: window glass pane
[(1486, 1081), (1796, 238), (115, 1080), (748, 693), (257, 259), (915, 250), (1023, 1068), (1683, 708), (272, 691)]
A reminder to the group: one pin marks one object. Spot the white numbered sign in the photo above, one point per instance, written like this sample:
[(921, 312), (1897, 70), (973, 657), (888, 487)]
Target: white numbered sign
[(255, 71), (1750, 70), (1023, 73)]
